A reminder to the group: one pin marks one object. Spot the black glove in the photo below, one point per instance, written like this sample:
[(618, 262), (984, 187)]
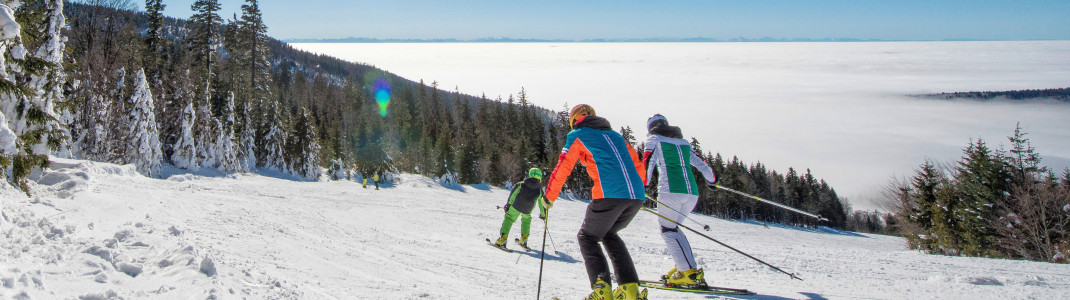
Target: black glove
[(713, 185), (506, 208)]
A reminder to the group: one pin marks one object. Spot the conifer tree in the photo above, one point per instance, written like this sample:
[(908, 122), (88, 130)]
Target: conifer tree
[(304, 147), (49, 85), (247, 139), (223, 147), (984, 178), (204, 35), (185, 148), (143, 144), (154, 40), (204, 130), (26, 117), (270, 137)]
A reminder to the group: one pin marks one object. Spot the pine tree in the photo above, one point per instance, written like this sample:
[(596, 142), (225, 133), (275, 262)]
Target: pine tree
[(923, 204), (204, 130), (204, 35), (983, 178), (304, 153), (224, 149), (154, 39), (144, 143), (49, 85), (185, 148), (1023, 159), (270, 137), (26, 117), (247, 139)]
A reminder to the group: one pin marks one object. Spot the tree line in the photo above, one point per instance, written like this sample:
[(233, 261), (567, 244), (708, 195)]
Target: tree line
[(990, 203)]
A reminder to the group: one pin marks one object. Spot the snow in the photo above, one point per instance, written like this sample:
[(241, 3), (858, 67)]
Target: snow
[(9, 28), (98, 231)]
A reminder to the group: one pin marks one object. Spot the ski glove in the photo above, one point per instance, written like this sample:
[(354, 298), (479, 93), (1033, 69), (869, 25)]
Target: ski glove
[(506, 208), (713, 185)]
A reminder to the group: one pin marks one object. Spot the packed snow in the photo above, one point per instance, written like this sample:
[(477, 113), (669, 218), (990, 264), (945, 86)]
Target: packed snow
[(97, 231)]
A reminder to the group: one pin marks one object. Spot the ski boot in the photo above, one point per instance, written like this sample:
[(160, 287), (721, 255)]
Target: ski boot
[(693, 278), (502, 240), (602, 290), (524, 241), (669, 275), (629, 291)]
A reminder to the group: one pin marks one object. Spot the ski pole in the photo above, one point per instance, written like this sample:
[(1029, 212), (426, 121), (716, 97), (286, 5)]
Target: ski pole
[(552, 243), (722, 244), (704, 226), (542, 257), (819, 218)]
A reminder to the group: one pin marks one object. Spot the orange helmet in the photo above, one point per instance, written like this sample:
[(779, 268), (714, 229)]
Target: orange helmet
[(578, 113)]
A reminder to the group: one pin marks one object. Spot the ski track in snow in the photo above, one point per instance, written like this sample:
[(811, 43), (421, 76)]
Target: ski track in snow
[(97, 231)]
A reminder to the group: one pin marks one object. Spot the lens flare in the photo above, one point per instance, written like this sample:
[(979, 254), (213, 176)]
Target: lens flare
[(382, 94)]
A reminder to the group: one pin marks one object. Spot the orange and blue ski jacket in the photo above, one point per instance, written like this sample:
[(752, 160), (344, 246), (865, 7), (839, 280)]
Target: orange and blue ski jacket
[(612, 163)]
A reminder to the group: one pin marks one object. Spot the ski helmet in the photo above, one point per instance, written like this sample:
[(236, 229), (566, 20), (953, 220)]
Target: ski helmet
[(578, 113), (655, 121), (535, 173)]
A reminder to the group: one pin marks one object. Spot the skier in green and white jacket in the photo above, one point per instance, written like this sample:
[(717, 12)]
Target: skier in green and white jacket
[(672, 157), (521, 201)]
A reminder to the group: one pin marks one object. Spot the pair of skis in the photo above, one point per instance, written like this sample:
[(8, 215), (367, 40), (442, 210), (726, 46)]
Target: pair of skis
[(503, 248), (661, 285), (707, 290)]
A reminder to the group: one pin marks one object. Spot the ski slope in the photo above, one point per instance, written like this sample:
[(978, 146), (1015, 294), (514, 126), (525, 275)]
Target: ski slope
[(99, 231)]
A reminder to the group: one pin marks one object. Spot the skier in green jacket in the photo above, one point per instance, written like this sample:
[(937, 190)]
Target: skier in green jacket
[(521, 201)]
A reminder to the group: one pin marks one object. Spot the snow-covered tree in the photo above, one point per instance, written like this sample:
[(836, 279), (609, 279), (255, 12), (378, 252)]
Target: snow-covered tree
[(271, 138), (143, 143), (24, 115), (303, 148), (185, 155), (224, 149), (92, 139), (338, 170), (247, 140), (49, 85), (204, 130)]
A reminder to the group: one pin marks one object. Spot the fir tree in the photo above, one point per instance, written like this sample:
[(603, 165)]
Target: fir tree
[(224, 149), (304, 148), (247, 139), (143, 144), (204, 130), (204, 35), (154, 39), (984, 178), (49, 85), (270, 137), (185, 148), (27, 118)]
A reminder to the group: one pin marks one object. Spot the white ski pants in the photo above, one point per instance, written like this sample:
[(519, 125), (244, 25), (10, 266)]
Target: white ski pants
[(676, 207)]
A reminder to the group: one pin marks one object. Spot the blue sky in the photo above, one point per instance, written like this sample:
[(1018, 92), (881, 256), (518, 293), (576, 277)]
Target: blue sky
[(623, 19)]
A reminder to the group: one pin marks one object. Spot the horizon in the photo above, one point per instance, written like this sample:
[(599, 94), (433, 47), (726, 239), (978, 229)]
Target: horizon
[(911, 20)]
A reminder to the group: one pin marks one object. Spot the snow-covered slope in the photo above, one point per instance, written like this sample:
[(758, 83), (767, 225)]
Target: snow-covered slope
[(98, 231)]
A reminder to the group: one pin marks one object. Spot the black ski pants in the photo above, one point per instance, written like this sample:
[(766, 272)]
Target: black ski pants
[(605, 217)]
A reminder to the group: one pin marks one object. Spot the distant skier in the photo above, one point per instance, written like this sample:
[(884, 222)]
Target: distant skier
[(667, 153), (375, 178), (616, 198), (521, 201)]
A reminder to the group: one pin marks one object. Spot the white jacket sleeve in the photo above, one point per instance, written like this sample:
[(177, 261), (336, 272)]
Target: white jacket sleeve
[(702, 166), (649, 154)]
